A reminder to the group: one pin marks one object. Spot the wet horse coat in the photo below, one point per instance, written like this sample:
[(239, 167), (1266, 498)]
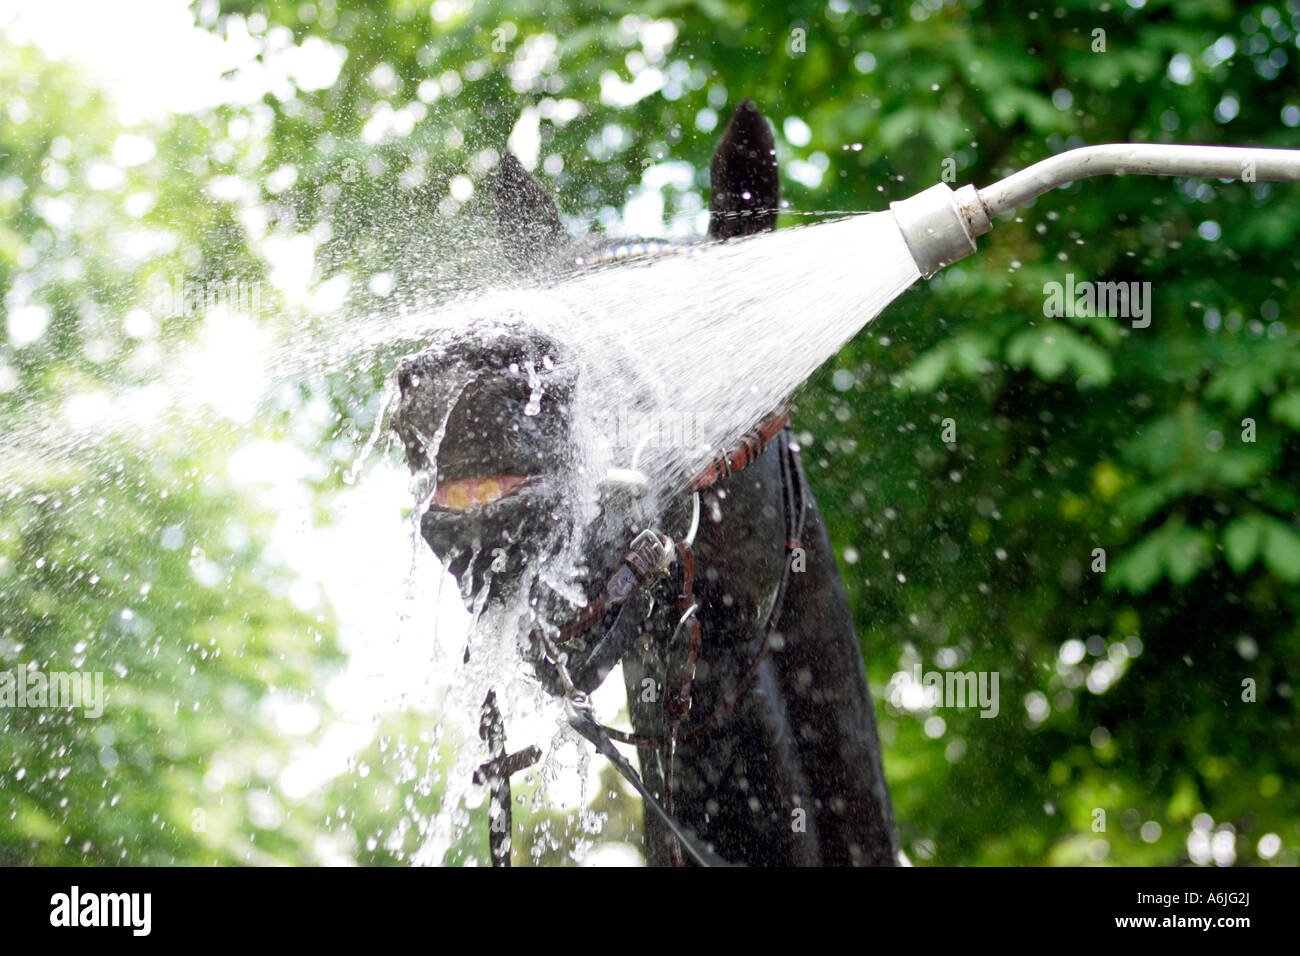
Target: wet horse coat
[(778, 761)]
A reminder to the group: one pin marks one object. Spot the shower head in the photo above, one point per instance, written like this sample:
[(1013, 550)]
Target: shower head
[(940, 224)]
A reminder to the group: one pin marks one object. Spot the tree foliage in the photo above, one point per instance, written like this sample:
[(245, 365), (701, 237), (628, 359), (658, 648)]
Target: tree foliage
[(1113, 529)]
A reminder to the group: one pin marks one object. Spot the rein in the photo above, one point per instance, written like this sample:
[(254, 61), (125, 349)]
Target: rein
[(645, 564)]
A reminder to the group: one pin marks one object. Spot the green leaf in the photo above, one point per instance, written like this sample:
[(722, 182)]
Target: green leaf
[(1239, 387), (1186, 555), (1048, 359), (1282, 552), (1052, 348), (1087, 359), (1139, 569), (1241, 543), (1286, 409), (1241, 468), (929, 370)]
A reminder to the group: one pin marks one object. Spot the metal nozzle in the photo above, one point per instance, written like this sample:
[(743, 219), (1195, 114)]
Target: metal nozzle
[(940, 225)]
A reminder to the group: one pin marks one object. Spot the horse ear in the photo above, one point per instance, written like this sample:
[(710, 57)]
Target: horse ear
[(528, 224), (745, 184)]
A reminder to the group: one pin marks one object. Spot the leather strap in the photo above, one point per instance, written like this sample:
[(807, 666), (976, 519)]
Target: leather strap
[(582, 722)]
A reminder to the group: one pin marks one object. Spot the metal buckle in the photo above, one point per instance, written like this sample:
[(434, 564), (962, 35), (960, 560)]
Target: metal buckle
[(655, 542)]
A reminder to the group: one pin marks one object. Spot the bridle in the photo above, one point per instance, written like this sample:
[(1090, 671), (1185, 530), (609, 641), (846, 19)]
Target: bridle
[(647, 561)]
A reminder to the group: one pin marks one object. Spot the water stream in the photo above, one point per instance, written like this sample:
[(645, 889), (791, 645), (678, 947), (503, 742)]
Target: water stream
[(691, 350)]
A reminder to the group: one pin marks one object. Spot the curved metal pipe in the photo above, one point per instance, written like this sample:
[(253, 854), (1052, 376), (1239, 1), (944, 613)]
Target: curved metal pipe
[(940, 225), (1143, 159)]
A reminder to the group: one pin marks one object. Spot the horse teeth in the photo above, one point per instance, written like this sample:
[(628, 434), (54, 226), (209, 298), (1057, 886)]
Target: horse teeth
[(458, 496), (465, 493)]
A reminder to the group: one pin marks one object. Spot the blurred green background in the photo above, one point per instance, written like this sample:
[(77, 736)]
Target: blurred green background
[(325, 155)]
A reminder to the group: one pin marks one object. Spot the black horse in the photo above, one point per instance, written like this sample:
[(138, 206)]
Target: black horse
[(752, 716)]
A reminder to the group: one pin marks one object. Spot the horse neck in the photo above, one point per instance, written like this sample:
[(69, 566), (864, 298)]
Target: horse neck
[(739, 555), (768, 737)]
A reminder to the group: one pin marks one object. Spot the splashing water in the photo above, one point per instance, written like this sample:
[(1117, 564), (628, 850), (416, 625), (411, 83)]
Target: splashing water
[(717, 341), (385, 403), (679, 355)]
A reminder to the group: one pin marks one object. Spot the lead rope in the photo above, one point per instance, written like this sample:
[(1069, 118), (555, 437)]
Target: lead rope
[(677, 699), (496, 774)]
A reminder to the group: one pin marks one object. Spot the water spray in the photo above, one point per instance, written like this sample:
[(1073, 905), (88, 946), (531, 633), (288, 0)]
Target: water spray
[(940, 224)]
